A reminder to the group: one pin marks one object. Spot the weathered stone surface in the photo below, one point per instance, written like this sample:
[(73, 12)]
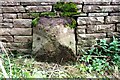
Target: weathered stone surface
[(9, 16), (6, 3), (115, 14), (6, 25), (79, 8), (112, 19), (6, 38), (91, 36), (16, 31), (98, 8), (19, 45), (36, 3), (38, 8), (7, 20), (52, 40), (97, 14), (82, 27), (1, 17), (13, 9), (19, 15), (118, 27), (90, 20), (22, 23), (22, 38), (111, 34), (100, 28), (86, 43), (80, 31), (104, 2), (21, 31), (26, 15)]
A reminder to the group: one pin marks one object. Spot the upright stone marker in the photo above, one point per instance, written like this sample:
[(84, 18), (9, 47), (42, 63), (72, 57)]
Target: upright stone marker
[(53, 40)]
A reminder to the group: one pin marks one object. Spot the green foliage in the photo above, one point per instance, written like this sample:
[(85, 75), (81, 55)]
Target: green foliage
[(48, 14), (68, 9), (35, 21), (65, 7), (94, 59)]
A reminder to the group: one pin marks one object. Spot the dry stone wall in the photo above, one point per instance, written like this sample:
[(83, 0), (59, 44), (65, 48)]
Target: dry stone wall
[(98, 19)]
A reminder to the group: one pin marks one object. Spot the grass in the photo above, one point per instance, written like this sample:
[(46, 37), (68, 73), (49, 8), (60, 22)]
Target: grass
[(24, 66)]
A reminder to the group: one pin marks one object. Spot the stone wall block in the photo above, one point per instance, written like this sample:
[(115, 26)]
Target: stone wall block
[(90, 20), (22, 23), (38, 8), (112, 19), (22, 38), (9, 16), (13, 9), (100, 28), (98, 8)]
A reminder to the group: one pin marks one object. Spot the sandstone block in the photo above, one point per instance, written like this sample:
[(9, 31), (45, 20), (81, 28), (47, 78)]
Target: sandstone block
[(22, 23), (16, 31), (118, 27), (115, 14), (6, 38), (38, 8), (100, 28), (98, 8), (9, 16), (7, 20), (10, 3), (90, 20), (112, 19), (98, 14), (111, 34), (19, 45), (6, 25), (91, 36), (21, 31), (80, 31), (13, 9), (22, 38)]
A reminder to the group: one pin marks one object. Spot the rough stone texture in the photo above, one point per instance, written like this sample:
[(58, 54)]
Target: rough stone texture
[(6, 3), (53, 41), (9, 16), (13, 9), (118, 27), (21, 31), (16, 31), (90, 20), (82, 27), (22, 38), (111, 34), (98, 8), (100, 28), (22, 23), (36, 3), (6, 25), (91, 36), (6, 38), (7, 20), (97, 14), (18, 45), (25, 15), (38, 8), (80, 31), (19, 15), (115, 14), (112, 19)]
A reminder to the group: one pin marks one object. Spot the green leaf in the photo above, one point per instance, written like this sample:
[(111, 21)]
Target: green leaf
[(35, 21)]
